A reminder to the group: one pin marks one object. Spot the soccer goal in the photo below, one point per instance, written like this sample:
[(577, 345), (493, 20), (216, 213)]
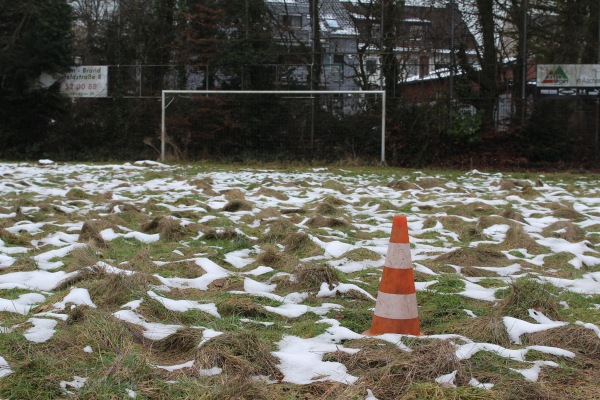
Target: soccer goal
[(273, 125)]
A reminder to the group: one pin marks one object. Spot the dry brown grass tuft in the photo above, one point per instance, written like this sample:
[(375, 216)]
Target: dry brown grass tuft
[(564, 210), (85, 274), (466, 230), (326, 390), (271, 256), (402, 185), (90, 233), (476, 272), (277, 230), (142, 262), (575, 338), (11, 238), (123, 288), (298, 211), (264, 191), (242, 306), (390, 372), (221, 234), (236, 387), (528, 294), (517, 238), (433, 360), (184, 342), (529, 193), (269, 212), (566, 230), (474, 209), (77, 194), (568, 213), (319, 221), (77, 314), (433, 391), (205, 184), (488, 220), (311, 276), (430, 222), (229, 283), (513, 215), (301, 244), (123, 207), (326, 208), (472, 256), (187, 269), (241, 354), (238, 205), (168, 228), (234, 194), (506, 184), (22, 263), (488, 329), (284, 282), (370, 357), (83, 257), (521, 389), (428, 183), (361, 254)]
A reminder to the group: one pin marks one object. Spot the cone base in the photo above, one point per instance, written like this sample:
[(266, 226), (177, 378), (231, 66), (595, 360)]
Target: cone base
[(380, 326)]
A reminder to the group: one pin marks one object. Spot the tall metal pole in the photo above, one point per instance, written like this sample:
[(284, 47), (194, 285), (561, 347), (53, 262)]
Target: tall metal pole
[(598, 99), (524, 56), (452, 59), (163, 127), (381, 30), (383, 127)]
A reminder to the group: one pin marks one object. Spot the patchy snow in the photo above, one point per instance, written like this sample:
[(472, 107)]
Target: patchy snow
[(369, 204), (516, 327), (4, 367), (301, 360), (41, 331), (77, 296), (185, 305)]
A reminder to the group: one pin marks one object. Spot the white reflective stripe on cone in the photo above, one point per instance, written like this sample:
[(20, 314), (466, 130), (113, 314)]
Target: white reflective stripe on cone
[(398, 256), (396, 306)]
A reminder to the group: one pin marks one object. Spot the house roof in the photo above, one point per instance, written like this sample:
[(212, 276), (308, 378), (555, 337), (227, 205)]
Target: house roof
[(424, 27)]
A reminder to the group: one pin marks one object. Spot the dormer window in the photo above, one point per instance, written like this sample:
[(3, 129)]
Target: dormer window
[(291, 21), (332, 23)]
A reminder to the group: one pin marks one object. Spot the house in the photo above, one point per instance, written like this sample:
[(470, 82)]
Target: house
[(350, 41)]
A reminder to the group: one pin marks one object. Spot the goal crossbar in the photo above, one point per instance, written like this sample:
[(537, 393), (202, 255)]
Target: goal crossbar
[(163, 129)]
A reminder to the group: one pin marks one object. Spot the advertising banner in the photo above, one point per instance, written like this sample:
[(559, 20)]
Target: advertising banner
[(568, 79), (86, 81)]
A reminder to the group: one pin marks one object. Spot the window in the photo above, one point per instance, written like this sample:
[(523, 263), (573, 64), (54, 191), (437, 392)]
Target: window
[(332, 23), (423, 66), (338, 58), (291, 21), (416, 32), (371, 66)]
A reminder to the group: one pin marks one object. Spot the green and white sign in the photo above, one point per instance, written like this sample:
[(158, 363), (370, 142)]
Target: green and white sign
[(568, 75), (569, 80)]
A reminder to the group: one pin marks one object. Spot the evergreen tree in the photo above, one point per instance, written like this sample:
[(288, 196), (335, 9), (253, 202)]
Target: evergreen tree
[(35, 38)]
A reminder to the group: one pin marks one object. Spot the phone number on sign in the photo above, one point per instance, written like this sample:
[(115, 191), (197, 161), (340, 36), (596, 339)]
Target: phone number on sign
[(81, 86)]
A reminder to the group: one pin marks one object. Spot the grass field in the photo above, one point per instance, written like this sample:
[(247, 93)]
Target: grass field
[(152, 281)]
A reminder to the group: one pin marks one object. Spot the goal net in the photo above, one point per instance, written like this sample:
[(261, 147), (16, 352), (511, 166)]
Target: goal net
[(306, 125)]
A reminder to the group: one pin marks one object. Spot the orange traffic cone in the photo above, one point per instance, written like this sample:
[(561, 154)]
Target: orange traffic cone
[(396, 307)]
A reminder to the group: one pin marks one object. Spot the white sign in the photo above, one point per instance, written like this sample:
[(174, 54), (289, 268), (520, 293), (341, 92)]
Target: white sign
[(568, 75), (86, 81)]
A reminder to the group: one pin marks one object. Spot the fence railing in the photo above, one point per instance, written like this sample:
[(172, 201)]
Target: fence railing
[(142, 81)]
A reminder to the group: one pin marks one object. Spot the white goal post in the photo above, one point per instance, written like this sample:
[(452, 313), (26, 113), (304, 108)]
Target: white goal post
[(166, 93)]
